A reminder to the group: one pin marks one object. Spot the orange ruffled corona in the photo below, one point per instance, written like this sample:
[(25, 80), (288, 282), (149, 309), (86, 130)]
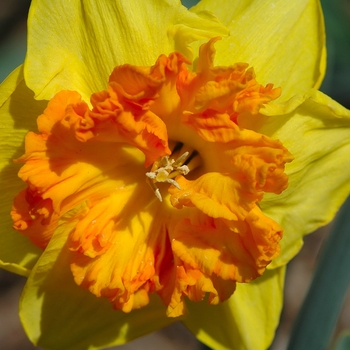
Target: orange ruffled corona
[(205, 231)]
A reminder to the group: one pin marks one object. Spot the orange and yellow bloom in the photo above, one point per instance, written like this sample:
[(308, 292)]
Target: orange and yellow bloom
[(129, 242), (173, 179)]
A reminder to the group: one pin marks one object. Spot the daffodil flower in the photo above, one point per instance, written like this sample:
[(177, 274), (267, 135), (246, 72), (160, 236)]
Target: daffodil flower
[(169, 151)]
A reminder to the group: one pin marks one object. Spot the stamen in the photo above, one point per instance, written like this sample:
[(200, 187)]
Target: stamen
[(179, 161), (165, 170)]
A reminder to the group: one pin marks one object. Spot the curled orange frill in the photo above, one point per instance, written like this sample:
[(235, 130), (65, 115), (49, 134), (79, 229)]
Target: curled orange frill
[(208, 233)]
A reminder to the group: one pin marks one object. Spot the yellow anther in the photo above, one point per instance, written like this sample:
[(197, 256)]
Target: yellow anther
[(165, 170)]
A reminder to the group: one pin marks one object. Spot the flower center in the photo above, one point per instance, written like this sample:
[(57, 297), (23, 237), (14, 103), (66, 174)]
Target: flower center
[(165, 170)]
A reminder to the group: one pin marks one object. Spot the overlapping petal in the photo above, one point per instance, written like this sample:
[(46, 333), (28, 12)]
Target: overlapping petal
[(238, 239), (51, 289), (273, 47), (18, 114), (132, 91), (255, 307), (63, 171), (51, 294), (120, 252), (78, 44), (316, 130), (228, 254)]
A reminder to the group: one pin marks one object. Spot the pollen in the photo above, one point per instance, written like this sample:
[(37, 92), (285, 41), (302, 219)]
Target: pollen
[(166, 169)]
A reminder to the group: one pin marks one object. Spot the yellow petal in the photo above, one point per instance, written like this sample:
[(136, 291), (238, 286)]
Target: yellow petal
[(248, 320), (75, 45), (17, 114), (227, 11), (71, 317), (316, 130), (284, 41)]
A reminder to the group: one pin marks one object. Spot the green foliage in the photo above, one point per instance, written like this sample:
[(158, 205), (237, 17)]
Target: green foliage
[(343, 342), (189, 3), (319, 314)]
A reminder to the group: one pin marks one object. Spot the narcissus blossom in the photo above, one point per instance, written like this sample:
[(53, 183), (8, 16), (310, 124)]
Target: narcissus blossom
[(151, 128), (173, 163)]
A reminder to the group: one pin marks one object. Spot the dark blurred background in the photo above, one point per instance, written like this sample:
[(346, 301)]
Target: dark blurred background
[(13, 16)]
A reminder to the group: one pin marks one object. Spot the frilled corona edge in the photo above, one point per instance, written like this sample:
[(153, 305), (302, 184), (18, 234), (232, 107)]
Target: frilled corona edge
[(167, 181)]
